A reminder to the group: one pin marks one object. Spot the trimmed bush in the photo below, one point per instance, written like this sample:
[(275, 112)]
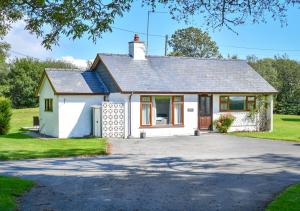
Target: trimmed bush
[(224, 122), (5, 115)]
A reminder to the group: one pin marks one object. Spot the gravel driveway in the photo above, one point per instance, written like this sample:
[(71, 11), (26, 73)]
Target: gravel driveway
[(210, 172)]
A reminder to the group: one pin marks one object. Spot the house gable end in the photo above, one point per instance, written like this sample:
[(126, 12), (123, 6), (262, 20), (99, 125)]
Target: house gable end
[(106, 76), (42, 83)]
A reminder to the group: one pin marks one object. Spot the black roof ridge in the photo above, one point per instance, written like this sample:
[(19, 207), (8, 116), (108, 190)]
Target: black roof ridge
[(177, 57)]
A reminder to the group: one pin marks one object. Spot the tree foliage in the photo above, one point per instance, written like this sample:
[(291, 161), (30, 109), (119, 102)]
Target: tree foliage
[(23, 77), (73, 18), (5, 115), (193, 42), (284, 75), (4, 47)]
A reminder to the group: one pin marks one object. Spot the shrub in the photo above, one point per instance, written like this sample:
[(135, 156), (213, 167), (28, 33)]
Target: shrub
[(5, 115), (224, 122)]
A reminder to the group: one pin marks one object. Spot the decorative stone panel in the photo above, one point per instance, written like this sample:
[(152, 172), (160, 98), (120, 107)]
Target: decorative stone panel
[(243, 119), (113, 120)]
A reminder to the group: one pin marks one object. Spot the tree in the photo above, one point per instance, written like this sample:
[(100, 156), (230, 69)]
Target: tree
[(5, 115), (73, 18), (193, 42), (4, 47), (283, 74), (23, 79)]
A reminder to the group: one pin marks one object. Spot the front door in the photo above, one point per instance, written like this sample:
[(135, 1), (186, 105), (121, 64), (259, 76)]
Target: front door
[(205, 112)]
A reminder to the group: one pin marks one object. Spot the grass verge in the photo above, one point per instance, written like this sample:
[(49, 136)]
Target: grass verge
[(10, 188), (16, 146), (286, 127), (288, 200)]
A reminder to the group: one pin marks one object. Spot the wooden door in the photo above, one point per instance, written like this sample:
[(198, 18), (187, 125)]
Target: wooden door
[(205, 112)]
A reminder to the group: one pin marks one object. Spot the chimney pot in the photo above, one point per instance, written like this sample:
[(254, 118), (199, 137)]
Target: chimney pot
[(136, 38)]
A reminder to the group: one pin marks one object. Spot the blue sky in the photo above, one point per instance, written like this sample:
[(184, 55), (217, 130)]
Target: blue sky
[(263, 36)]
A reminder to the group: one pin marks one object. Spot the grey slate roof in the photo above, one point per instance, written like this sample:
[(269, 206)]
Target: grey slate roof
[(183, 74), (75, 81)]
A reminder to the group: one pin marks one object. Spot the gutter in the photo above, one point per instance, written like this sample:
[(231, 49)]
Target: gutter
[(129, 116)]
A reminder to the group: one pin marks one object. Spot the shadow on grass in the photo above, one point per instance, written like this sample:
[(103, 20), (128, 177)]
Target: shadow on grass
[(31, 154), (16, 136), (291, 119)]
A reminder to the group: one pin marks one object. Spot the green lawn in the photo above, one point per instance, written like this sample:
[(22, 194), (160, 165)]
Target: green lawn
[(16, 145), (286, 127), (10, 188), (22, 118), (289, 200)]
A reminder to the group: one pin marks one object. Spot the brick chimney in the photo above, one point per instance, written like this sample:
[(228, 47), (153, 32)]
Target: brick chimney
[(137, 48)]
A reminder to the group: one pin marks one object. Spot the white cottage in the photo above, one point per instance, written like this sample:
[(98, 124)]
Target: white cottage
[(162, 95)]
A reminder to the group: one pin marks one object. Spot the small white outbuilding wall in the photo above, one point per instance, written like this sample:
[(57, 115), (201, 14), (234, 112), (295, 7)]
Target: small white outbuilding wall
[(71, 115), (48, 120), (75, 114)]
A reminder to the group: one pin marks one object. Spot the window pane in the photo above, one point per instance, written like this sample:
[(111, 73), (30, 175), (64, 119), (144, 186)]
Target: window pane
[(178, 99), (205, 109), (224, 106), (178, 113), (163, 112), (146, 99), (224, 98), (251, 98), (237, 103), (250, 105), (146, 114), (46, 104), (50, 104)]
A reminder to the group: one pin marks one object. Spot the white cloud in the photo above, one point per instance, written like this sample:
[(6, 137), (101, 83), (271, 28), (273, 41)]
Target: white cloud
[(23, 43), (80, 63)]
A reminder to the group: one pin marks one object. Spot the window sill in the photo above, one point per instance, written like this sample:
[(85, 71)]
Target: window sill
[(162, 126)]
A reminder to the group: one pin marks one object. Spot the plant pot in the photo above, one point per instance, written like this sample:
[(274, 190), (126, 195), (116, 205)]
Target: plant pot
[(143, 135), (197, 133), (109, 149)]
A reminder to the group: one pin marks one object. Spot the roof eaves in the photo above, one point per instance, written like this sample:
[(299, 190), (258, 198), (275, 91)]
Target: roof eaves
[(41, 82)]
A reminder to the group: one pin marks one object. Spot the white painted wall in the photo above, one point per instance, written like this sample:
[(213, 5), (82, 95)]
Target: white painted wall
[(75, 114), (242, 121), (48, 120)]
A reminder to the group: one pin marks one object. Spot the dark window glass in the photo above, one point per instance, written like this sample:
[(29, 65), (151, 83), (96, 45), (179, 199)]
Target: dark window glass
[(237, 103), (48, 104), (205, 106)]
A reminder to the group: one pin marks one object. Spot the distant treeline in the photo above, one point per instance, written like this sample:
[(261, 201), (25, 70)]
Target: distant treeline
[(283, 74), (19, 80)]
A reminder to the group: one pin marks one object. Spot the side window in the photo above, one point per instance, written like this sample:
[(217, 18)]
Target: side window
[(146, 111), (178, 110), (48, 104)]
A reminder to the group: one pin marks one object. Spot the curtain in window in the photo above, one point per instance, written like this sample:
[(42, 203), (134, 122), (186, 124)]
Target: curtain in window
[(177, 113), (153, 111), (146, 114)]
